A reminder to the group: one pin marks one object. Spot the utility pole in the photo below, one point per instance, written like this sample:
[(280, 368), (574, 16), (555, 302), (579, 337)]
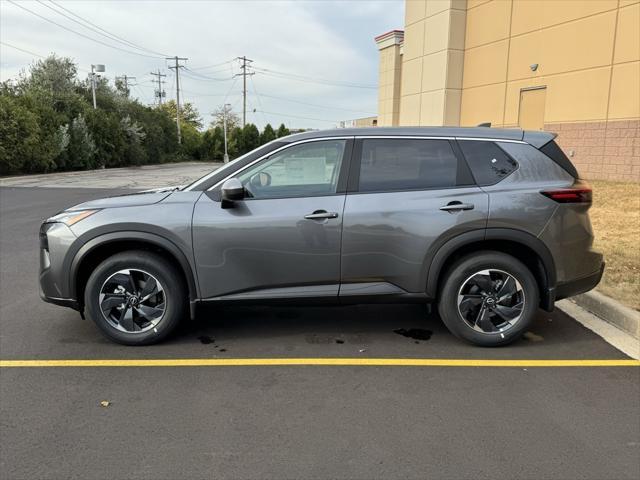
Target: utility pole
[(126, 79), (159, 92), (245, 63), (225, 111), (177, 68)]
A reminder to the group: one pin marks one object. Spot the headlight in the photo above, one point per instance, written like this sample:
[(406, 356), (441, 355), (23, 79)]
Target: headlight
[(71, 218)]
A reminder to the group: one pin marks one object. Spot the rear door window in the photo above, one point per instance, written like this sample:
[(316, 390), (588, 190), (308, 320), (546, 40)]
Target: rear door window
[(488, 162), (407, 164)]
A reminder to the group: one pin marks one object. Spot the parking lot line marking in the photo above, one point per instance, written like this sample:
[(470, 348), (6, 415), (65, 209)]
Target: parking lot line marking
[(248, 362)]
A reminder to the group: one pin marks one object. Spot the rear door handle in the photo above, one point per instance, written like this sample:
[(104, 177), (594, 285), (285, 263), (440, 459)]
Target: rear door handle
[(321, 215), (457, 206)]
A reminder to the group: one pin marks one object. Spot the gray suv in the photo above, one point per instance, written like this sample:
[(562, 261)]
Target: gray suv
[(489, 224)]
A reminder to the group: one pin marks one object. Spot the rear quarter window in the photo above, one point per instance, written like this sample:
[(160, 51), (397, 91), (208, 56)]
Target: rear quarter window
[(488, 162), (555, 153)]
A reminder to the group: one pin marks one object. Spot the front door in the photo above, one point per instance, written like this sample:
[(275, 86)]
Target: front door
[(283, 239)]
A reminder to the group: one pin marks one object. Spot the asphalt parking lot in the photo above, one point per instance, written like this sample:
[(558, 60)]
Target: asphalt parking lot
[(297, 421)]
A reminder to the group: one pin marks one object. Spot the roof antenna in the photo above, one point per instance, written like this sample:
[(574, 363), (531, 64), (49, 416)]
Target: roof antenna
[(485, 124)]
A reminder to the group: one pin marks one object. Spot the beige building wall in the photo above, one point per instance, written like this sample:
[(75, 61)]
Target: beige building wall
[(389, 75), (432, 62), (570, 66)]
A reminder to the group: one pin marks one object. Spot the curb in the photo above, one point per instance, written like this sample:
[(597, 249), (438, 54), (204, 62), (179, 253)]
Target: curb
[(611, 311)]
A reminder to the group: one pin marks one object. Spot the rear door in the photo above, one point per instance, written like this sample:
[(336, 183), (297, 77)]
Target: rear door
[(406, 196), (283, 240)]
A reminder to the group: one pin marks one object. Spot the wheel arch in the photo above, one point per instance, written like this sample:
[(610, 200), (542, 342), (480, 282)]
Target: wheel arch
[(93, 252), (525, 247)]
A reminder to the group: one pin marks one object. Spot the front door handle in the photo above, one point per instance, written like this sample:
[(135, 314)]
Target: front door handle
[(457, 206), (321, 215)]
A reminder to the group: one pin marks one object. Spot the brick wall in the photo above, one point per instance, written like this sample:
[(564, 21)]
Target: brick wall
[(602, 150)]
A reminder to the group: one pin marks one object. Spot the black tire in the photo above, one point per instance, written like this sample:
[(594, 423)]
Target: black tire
[(173, 290), (457, 277)]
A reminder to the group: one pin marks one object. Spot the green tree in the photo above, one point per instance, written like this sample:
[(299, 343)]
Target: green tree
[(121, 87), (282, 131), (236, 142), (189, 115), (268, 134), (54, 74), (20, 142), (212, 147), (191, 142), (49, 123), (250, 138), (81, 148)]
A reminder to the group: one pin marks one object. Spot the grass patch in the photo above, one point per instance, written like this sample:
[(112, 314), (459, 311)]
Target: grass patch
[(615, 216)]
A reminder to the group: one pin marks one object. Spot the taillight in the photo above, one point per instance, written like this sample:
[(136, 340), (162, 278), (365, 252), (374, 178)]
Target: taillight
[(579, 192)]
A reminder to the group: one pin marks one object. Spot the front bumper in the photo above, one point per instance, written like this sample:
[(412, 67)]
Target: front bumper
[(63, 302), (55, 239), (580, 285)]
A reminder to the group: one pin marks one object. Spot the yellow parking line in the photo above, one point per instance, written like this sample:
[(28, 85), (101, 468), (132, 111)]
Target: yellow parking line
[(401, 362)]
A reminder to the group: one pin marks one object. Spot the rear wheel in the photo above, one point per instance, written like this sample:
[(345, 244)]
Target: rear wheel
[(135, 298), (488, 298)]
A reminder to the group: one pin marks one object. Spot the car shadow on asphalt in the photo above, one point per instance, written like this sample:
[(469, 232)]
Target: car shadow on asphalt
[(372, 330)]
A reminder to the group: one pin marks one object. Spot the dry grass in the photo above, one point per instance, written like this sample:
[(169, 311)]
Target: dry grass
[(615, 216)]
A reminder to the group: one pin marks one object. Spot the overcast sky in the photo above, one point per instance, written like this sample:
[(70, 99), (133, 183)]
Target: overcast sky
[(328, 40)]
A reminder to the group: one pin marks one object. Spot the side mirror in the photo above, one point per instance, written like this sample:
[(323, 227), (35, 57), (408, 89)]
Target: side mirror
[(232, 190)]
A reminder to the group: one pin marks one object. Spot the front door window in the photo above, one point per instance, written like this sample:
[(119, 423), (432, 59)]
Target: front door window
[(306, 170)]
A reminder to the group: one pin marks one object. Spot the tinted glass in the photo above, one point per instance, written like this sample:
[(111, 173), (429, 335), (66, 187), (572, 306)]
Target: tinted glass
[(488, 162), (400, 164), (303, 170), (555, 153)]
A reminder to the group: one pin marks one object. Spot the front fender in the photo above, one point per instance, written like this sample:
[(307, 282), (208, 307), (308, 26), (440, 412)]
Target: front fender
[(91, 240)]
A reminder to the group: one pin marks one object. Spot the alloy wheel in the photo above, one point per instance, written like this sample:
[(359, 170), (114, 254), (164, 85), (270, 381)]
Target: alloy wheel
[(491, 301), (132, 301)]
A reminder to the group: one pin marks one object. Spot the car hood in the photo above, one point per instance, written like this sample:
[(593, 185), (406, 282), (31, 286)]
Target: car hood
[(127, 200)]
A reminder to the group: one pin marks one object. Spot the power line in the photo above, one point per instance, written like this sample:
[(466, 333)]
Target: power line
[(22, 50), (259, 100), (199, 76), (95, 28), (214, 65), (34, 54), (230, 90), (80, 34), (304, 118), (294, 76), (316, 105)]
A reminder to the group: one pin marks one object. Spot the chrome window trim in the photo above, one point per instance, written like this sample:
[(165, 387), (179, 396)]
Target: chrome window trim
[(299, 142), (430, 137), (403, 137), (499, 140), (319, 139)]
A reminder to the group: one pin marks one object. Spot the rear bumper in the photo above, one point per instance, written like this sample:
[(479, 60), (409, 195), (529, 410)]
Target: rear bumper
[(581, 285)]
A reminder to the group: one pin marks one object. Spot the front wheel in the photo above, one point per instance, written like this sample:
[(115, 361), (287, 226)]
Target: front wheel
[(135, 298), (488, 298)]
